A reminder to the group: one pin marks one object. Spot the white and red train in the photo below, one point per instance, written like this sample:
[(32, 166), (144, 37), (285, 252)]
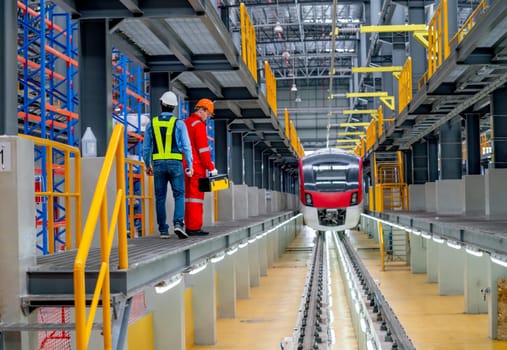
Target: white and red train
[(331, 189)]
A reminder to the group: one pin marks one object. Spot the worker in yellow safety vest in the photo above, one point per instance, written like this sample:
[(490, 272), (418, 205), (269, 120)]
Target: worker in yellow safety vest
[(165, 142)]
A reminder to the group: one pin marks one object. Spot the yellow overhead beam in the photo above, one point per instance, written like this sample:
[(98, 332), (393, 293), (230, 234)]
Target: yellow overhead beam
[(346, 147), (388, 101), (366, 94), (345, 133), (343, 125), (422, 38), (348, 140), (394, 28), (380, 69), (360, 111)]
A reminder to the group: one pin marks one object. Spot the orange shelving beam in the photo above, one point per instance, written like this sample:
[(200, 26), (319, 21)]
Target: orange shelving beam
[(48, 22), (38, 119), (34, 65)]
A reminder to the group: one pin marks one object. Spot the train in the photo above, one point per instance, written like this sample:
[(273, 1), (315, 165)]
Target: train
[(331, 189)]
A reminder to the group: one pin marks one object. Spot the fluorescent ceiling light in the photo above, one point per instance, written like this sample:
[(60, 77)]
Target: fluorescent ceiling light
[(426, 235), (438, 240), (198, 269), (217, 258), (232, 251), (498, 261), (454, 245), (473, 252), (165, 285)]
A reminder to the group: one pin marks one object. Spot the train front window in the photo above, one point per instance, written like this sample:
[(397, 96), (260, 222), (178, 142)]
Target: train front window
[(325, 176)]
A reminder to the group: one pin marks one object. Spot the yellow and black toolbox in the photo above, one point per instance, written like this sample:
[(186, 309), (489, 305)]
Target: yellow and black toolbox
[(213, 183)]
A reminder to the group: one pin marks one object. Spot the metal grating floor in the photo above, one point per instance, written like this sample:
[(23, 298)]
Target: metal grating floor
[(150, 258)]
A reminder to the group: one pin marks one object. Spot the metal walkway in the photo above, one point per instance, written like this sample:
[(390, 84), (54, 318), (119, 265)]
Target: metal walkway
[(151, 259), (475, 68)]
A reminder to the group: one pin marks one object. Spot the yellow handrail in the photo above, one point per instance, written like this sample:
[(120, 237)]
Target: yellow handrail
[(67, 150), (469, 23), (142, 196), (98, 207), (248, 41), (381, 243), (438, 40), (405, 85), (269, 77)]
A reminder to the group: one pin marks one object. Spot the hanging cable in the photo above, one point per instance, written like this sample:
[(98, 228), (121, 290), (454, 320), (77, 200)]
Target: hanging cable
[(331, 69)]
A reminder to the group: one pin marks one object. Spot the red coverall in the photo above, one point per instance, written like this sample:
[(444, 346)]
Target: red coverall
[(201, 152)]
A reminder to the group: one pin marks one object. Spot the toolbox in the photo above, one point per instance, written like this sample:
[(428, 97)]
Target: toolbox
[(213, 183)]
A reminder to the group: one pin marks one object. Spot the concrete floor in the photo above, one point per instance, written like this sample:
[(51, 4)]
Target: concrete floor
[(433, 322)]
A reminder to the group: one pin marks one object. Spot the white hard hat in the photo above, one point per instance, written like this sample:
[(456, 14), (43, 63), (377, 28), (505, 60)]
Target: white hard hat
[(168, 98)]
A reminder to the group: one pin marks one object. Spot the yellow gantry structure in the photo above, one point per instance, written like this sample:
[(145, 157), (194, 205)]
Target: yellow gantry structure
[(384, 97), (356, 141), (379, 69), (394, 28), (388, 101), (360, 111), (345, 133), (344, 125), (366, 94)]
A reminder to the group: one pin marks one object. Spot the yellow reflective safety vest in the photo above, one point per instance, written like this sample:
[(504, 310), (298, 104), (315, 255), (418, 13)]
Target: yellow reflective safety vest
[(165, 146)]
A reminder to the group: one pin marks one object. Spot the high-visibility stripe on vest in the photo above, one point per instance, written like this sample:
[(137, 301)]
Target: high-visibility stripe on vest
[(165, 146)]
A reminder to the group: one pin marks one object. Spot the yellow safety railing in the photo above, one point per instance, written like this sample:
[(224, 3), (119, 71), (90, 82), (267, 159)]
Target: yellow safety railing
[(300, 150), (270, 87), (294, 139), (405, 85), (371, 197), (98, 208), (422, 80), (135, 171), (359, 150), (381, 244), (485, 143), (292, 136), (438, 38), (287, 124), (391, 191), (66, 171), (371, 135), (380, 121), (248, 41), (469, 23)]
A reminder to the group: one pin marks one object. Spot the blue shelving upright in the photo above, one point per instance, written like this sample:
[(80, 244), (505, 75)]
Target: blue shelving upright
[(130, 107), (47, 99)]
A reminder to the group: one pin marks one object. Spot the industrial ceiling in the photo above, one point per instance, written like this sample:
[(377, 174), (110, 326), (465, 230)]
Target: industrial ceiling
[(295, 37)]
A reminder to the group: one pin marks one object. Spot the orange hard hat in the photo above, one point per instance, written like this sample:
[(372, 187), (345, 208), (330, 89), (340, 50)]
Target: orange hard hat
[(206, 103)]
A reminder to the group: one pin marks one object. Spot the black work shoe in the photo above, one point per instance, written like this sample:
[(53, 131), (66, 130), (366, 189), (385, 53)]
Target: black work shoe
[(164, 234), (197, 233), (180, 232)]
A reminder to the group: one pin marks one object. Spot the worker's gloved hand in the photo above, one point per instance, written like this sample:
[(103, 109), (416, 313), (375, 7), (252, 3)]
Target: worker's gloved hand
[(213, 172)]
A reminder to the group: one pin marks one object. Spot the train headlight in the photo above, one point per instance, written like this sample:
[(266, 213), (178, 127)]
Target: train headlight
[(353, 199), (308, 199)]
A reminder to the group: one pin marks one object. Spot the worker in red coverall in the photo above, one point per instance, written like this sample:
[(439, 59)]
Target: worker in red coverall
[(194, 199)]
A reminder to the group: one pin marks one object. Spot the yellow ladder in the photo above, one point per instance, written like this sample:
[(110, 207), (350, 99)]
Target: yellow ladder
[(390, 189)]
